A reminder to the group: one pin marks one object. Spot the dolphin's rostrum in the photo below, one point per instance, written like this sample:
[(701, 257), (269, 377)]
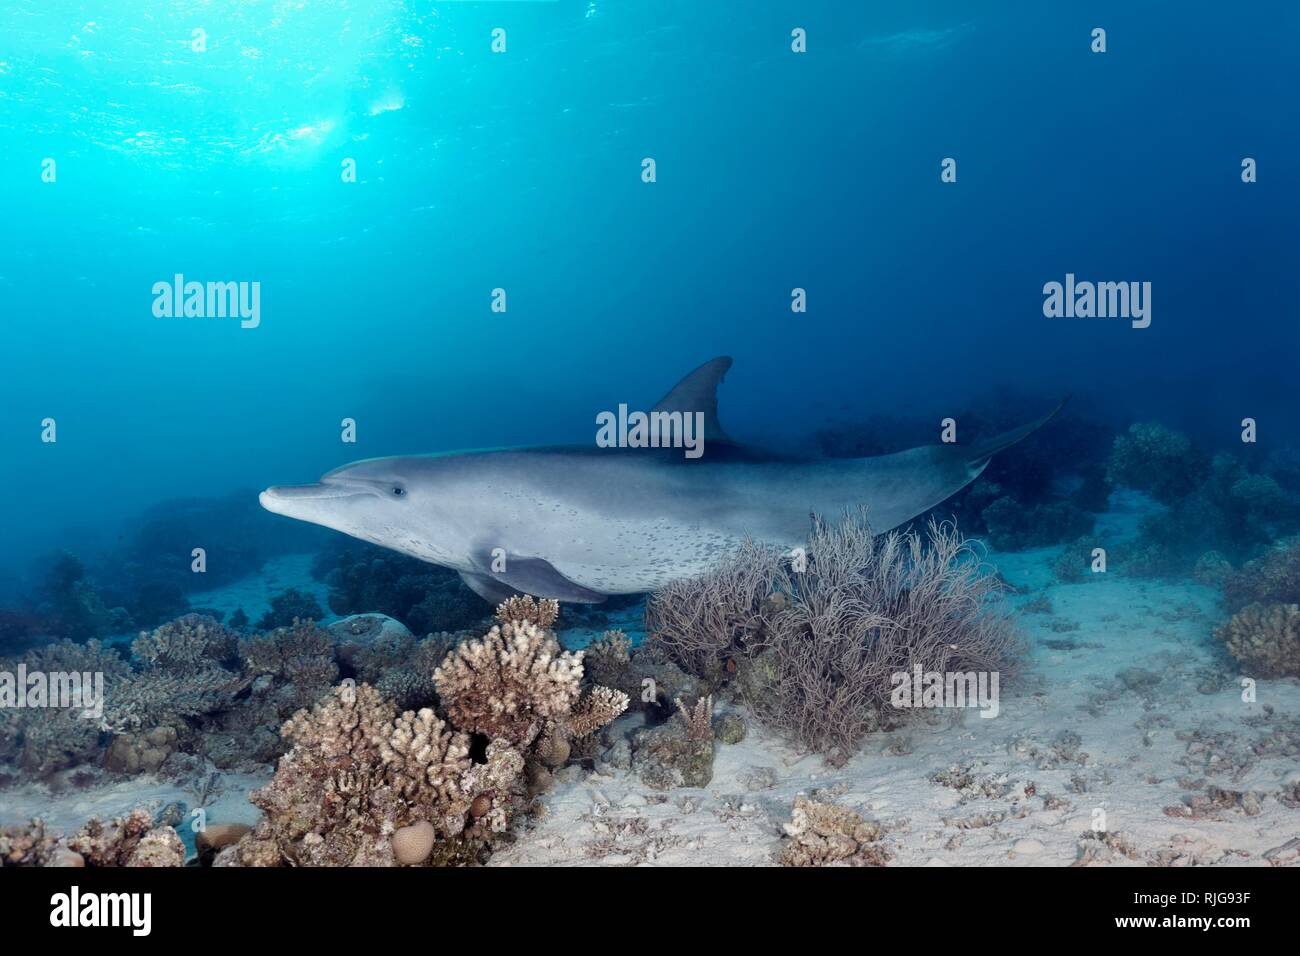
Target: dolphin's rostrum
[(581, 523)]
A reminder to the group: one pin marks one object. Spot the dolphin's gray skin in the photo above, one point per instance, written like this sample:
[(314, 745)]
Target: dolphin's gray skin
[(580, 523)]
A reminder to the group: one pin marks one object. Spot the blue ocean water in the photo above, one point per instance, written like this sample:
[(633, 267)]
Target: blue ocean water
[(522, 170)]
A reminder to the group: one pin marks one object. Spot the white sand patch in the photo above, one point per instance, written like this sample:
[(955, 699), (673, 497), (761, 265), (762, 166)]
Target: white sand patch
[(254, 592), (67, 810)]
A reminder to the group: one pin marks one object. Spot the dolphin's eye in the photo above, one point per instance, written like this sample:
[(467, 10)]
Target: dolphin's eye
[(398, 490)]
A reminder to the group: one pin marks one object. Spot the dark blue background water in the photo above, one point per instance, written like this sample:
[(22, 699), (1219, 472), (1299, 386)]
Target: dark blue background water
[(522, 170)]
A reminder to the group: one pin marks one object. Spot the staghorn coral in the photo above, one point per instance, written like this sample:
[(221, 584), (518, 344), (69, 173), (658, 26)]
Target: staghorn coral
[(698, 720), (598, 707), (823, 833), (1265, 638), (509, 684)]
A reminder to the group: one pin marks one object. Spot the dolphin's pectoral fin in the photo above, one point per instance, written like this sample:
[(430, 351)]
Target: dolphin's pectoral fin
[(698, 392), (535, 576), (489, 588)]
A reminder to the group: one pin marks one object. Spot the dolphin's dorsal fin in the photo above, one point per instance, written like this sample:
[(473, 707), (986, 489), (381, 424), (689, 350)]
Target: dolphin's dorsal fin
[(698, 392)]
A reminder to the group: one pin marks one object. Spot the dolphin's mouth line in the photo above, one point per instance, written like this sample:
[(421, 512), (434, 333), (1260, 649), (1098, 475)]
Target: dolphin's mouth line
[(317, 491)]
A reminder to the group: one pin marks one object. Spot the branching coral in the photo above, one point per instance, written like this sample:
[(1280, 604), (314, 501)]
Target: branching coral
[(608, 657), (157, 698), (128, 841), (425, 760), (401, 668), (1265, 638), (46, 740), (698, 720), (823, 833), (1152, 458), (523, 609), (186, 643), (596, 708), (328, 803), (509, 684), (357, 774), (362, 784), (300, 656), (1272, 578)]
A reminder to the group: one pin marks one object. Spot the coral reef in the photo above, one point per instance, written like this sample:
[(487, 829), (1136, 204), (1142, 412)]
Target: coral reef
[(1265, 638), (364, 578), (1225, 509), (679, 753), (300, 656), (363, 784), (823, 833), (198, 688), (1273, 578), (510, 683), (1157, 460), (132, 840), (288, 607), (189, 642), (46, 740), (1013, 526), (400, 667)]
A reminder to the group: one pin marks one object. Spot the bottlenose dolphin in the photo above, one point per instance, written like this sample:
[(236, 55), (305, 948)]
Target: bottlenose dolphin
[(581, 523)]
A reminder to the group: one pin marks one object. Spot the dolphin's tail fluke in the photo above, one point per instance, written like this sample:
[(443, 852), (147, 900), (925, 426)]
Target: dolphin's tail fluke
[(978, 457)]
